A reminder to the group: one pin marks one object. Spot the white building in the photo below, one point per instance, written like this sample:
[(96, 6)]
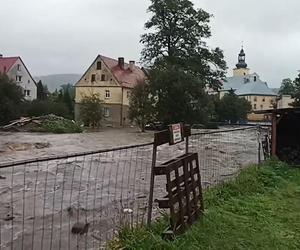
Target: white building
[(16, 70)]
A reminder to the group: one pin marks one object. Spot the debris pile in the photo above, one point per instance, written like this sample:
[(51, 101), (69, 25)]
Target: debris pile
[(23, 124), (47, 123)]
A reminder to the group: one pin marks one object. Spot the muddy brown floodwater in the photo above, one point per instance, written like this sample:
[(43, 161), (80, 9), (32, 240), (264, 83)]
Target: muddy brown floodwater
[(39, 203), (20, 146)]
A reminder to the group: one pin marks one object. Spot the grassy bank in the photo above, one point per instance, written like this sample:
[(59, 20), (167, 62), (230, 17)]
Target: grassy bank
[(260, 210)]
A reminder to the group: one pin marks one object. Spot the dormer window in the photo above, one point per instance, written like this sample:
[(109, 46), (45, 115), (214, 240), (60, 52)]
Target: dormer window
[(98, 65)]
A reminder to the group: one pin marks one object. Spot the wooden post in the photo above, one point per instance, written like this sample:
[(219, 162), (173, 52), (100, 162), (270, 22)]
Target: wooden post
[(150, 201), (259, 144), (274, 134), (186, 144)]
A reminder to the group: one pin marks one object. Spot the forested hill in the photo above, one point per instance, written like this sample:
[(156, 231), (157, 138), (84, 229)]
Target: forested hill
[(55, 81)]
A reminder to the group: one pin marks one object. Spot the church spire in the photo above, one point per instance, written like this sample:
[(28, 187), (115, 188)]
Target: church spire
[(241, 60)]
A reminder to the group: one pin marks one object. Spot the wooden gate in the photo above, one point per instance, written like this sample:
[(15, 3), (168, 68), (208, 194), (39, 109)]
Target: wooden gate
[(183, 183)]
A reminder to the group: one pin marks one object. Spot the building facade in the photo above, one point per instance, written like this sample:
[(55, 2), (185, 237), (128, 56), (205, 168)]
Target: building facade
[(249, 86), (16, 70), (113, 81)]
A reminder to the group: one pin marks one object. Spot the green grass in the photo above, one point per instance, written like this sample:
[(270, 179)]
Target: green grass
[(260, 210)]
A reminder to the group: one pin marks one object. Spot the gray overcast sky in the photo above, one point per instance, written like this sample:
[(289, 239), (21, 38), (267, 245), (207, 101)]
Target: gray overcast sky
[(64, 36)]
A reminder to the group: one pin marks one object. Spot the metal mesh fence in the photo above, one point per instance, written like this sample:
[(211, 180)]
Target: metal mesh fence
[(81, 201)]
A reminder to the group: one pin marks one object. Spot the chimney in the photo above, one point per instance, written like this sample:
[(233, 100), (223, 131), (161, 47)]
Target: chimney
[(132, 65), (121, 62)]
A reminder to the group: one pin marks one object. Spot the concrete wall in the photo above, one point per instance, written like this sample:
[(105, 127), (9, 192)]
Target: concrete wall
[(261, 102), (115, 94), (241, 72), (27, 83), (114, 117), (285, 102)]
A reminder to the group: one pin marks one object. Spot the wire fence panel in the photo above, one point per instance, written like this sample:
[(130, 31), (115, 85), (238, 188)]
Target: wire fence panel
[(81, 201), (223, 154)]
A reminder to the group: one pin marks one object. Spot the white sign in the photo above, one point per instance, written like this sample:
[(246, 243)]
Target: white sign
[(176, 133)]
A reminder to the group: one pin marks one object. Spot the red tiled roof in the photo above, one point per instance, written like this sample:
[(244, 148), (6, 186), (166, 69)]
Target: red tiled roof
[(6, 63), (125, 77)]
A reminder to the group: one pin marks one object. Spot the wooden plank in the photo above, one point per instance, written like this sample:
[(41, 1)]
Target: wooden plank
[(180, 198), (187, 180)]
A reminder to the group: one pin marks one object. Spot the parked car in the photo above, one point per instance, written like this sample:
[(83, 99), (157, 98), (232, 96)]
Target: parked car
[(157, 126)]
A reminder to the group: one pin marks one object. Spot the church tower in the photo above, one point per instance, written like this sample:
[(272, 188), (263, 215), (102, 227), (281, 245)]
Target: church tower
[(241, 67)]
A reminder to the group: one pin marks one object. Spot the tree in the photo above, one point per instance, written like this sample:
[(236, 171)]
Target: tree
[(11, 99), (67, 91), (141, 105), (287, 87), (232, 108), (181, 65), (42, 91), (296, 94), (91, 110)]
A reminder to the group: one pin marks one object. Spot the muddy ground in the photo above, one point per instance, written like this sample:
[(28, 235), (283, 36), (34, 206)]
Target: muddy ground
[(40, 202)]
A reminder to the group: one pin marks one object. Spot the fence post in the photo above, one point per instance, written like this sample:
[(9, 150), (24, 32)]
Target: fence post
[(259, 144), (150, 201)]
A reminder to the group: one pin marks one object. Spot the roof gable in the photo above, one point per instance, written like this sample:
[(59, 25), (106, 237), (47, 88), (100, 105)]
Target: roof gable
[(125, 77), (6, 63)]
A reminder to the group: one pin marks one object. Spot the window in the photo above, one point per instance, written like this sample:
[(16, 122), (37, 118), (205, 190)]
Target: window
[(103, 77), (254, 106), (28, 81), (106, 112), (27, 92), (255, 99), (18, 78), (262, 106), (93, 78), (263, 99), (98, 65), (107, 94), (254, 78), (19, 67)]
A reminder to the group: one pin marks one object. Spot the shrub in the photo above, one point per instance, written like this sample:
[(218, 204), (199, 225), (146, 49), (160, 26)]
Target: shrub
[(59, 125), (11, 99)]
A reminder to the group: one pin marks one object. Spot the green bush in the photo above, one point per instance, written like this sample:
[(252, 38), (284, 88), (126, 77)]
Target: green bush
[(60, 125)]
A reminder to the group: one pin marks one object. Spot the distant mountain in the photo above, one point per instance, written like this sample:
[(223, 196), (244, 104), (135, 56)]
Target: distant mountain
[(55, 81)]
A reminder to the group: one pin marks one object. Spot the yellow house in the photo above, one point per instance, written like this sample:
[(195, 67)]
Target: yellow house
[(113, 81), (250, 87)]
